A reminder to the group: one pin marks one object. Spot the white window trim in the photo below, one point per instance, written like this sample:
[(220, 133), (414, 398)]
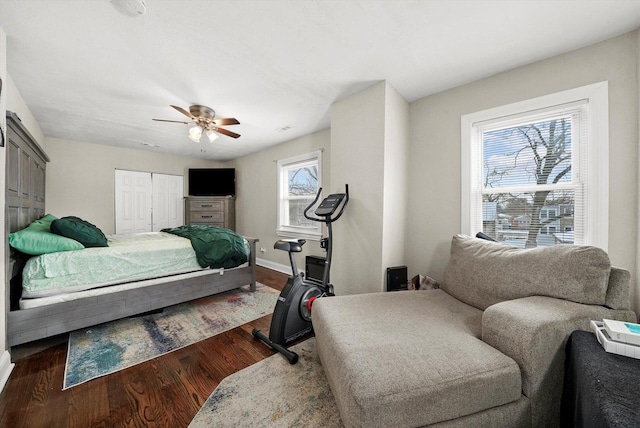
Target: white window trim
[(597, 209), (313, 234)]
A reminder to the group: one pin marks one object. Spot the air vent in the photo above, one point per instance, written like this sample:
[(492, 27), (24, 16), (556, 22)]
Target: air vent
[(130, 8)]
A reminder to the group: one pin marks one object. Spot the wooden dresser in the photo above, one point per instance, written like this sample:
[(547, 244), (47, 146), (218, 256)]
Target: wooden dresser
[(211, 210)]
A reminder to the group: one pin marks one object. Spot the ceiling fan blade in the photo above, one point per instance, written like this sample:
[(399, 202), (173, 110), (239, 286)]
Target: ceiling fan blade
[(183, 111), (173, 121), (226, 122), (225, 132)]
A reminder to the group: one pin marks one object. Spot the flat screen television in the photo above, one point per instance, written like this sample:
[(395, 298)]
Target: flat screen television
[(212, 182)]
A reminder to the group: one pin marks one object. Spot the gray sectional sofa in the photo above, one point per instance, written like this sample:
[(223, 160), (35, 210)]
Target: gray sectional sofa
[(484, 350)]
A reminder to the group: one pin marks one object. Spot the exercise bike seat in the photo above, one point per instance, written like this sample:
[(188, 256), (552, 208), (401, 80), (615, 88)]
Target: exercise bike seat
[(289, 246)]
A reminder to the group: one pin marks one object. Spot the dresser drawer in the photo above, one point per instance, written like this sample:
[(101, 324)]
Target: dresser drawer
[(205, 223), (210, 211), (206, 217), (206, 205)]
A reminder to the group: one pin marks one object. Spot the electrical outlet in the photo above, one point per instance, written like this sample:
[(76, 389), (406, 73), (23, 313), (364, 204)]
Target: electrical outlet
[(263, 250)]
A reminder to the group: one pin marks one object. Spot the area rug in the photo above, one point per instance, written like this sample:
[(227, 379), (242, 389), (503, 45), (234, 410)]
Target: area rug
[(113, 346), (273, 393)]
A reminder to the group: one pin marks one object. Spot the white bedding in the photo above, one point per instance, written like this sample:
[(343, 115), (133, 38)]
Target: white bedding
[(127, 258), (95, 292)]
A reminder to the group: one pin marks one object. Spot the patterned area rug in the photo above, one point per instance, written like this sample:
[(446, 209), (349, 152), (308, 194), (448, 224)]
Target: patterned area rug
[(273, 393), (113, 346)]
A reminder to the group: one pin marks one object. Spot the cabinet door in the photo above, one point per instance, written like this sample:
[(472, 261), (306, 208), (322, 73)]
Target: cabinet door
[(37, 180), (160, 216), (25, 175), (13, 169), (133, 202), (175, 201), (168, 209)]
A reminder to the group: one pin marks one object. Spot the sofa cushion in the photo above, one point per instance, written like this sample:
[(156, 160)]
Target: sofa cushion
[(409, 359), (482, 273)]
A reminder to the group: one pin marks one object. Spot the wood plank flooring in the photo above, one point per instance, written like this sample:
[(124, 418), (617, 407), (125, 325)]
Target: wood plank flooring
[(165, 392)]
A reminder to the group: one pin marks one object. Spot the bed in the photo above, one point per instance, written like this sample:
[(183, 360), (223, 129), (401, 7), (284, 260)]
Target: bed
[(64, 291), (44, 314)]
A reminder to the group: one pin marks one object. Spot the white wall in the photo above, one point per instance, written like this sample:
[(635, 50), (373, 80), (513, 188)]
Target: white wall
[(357, 159), (12, 101), (434, 161), (80, 177), (358, 151), (257, 193), (16, 104), (369, 148), (5, 359), (396, 151), (636, 302)]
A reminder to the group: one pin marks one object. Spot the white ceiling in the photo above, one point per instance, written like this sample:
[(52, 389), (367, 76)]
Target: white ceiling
[(90, 73)]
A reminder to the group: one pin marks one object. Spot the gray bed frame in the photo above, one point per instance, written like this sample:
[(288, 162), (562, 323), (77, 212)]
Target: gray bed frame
[(25, 202), (26, 325)]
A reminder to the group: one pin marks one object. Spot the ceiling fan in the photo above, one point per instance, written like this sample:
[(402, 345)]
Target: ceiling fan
[(203, 119)]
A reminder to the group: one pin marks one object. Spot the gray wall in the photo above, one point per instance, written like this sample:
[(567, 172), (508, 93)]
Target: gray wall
[(369, 147), (4, 367), (363, 155), (357, 158), (80, 177), (432, 213), (434, 160), (257, 193)]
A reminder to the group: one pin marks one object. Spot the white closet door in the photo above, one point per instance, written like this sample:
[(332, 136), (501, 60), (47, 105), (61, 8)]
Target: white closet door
[(168, 205), (175, 201), (133, 202), (160, 195)]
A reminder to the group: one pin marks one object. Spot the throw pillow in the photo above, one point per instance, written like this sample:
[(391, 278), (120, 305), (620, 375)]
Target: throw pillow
[(80, 230), (37, 239)]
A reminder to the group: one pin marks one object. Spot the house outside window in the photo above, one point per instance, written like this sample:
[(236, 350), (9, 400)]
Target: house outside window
[(542, 165), (299, 178)]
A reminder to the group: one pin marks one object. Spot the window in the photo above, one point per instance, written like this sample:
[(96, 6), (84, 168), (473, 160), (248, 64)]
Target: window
[(540, 167), (299, 178)]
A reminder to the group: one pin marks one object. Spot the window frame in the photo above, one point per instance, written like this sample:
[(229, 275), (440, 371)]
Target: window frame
[(596, 209), (283, 165)]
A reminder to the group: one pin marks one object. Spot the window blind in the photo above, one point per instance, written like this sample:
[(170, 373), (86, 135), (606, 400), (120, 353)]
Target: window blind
[(529, 173)]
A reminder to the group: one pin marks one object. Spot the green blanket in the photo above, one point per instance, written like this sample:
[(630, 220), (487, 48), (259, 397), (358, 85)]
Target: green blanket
[(215, 247)]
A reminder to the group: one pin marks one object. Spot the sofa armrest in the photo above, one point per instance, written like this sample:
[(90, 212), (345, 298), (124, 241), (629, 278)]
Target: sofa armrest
[(533, 331), (618, 290)]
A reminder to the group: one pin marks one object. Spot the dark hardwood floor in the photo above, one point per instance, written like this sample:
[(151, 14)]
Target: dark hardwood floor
[(165, 392)]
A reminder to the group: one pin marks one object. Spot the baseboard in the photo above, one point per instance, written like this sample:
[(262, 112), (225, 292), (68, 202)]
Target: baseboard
[(6, 366), (286, 269)]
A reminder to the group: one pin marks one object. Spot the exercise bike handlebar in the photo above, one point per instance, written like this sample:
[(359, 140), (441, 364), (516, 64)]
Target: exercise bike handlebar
[(327, 219), (344, 204), (306, 210)]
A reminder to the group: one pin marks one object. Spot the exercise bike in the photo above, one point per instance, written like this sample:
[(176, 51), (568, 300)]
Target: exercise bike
[(292, 314)]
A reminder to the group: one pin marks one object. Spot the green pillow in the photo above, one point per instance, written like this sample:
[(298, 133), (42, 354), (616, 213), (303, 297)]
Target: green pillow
[(43, 223), (80, 230), (37, 239)]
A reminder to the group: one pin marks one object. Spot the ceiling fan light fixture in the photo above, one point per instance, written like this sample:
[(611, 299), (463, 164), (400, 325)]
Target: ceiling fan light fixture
[(203, 121), (195, 133), (212, 135)]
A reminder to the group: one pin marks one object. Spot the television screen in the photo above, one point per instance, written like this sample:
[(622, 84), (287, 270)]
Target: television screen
[(212, 182)]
